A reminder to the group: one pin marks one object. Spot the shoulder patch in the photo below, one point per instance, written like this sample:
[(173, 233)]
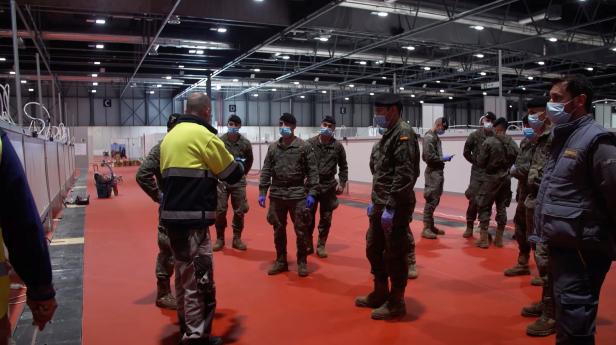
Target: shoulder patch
[(570, 153)]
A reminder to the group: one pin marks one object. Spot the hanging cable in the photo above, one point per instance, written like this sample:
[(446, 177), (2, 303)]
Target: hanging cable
[(38, 127), (5, 110)]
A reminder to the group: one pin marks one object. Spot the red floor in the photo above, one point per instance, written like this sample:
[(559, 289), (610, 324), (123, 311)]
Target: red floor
[(461, 296)]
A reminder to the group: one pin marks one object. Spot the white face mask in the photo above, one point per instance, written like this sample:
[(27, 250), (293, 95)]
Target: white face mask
[(556, 112), (488, 125)]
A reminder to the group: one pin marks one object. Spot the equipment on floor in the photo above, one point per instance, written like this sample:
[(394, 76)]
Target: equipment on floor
[(105, 183)]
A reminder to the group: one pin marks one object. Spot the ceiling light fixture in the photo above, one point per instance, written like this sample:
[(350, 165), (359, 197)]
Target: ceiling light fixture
[(402, 88), (302, 96), (274, 90), (296, 82), (351, 85), (12, 72), (409, 48), (168, 77), (100, 21), (540, 63), (285, 57), (255, 95), (483, 74), (450, 97), (363, 63), (590, 69), (384, 77), (2, 59), (477, 27), (485, 93), (413, 96), (553, 39), (614, 49), (441, 91), (323, 91), (379, 13), (479, 55), (530, 77), (235, 80), (94, 75), (93, 91), (94, 84), (256, 70), (221, 30), (151, 92), (438, 81), (24, 81), (346, 98), (31, 90), (100, 46), (97, 62), (427, 68), (371, 93), (421, 102), (159, 85), (181, 66), (523, 89)]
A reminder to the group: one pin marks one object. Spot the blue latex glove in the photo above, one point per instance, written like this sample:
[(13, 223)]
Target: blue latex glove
[(387, 220), (369, 209), (447, 158), (310, 201), (262, 201)]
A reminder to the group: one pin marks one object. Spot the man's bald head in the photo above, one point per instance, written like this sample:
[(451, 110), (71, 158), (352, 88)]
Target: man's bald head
[(198, 103)]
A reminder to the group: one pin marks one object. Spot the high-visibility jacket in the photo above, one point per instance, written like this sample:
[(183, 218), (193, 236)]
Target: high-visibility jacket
[(192, 159)]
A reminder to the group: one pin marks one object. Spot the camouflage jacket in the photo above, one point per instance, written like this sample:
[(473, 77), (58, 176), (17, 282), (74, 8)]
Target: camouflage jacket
[(497, 155), (394, 164), (522, 163), (473, 144), (432, 151), (289, 171), (331, 158), (541, 155), (148, 176), (241, 149)]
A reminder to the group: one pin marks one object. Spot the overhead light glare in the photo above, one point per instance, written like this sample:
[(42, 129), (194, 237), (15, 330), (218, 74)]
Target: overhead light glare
[(485, 93), (346, 98), (427, 68), (477, 27), (159, 85), (590, 69), (181, 66), (302, 96), (221, 30), (540, 63), (285, 57), (450, 97), (12, 72), (384, 77), (168, 77), (553, 39), (413, 96), (100, 21), (409, 48), (402, 88), (256, 70), (235, 80), (274, 90), (371, 93), (151, 92), (97, 62), (523, 89), (363, 63), (31, 90), (100, 46), (438, 81), (351, 85), (441, 91), (323, 91), (530, 77), (479, 55), (421, 102), (296, 82), (94, 84), (24, 81), (483, 74), (255, 95)]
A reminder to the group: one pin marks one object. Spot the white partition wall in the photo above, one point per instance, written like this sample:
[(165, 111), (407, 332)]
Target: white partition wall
[(430, 112), (35, 171)]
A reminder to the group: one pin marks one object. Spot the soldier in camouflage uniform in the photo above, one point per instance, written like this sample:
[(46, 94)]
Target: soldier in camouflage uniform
[(330, 156), (290, 168), (395, 168), (520, 171), (472, 147), (542, 128), (149, 179), (435, 161), (497, 155), (241, 149)]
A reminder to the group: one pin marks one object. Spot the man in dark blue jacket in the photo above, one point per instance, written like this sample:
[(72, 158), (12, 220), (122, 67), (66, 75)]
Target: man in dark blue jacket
[(22, 233), (574, 214)]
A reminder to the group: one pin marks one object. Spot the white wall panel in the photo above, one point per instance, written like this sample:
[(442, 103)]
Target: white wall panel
[(53, 170), (35, 161)]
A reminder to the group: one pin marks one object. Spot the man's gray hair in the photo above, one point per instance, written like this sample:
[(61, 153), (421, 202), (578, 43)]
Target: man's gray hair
[(196, 102)]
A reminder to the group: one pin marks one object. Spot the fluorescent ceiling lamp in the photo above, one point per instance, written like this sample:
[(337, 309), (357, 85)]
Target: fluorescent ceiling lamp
[(100, 46), (97, 62), (351, 85), (384, 77), (483, 74), (12, 72), (296, 82), (413, 96), (409, 48), (438, 81), (192, 51), (553, 39), (346, 98), (362, 63), (199, 52), (168, 77), (2, 59), (590, 69), (477, 27), (530, 77), (421, 102), (441, 90), (181, 66), (427, 68), (380, 62), (380, 14), (31, 90), (151, 92), (371, 93), (94, 84), (274, 90), (285, 57), (221, 30), (450, 97), (100, 21), (523, 89), (159, 85), (235, 80), (24, 81), (302, 96), (256, 70), (479, 55), (218, 87), (323, 91), (485, 93), (614, 49), (540, 63), (322, 38), (94, 75), (402, 88)]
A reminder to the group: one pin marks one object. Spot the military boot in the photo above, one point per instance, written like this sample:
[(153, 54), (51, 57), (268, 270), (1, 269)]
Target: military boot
[(238, 244), (393, 308), (533, 310), (437, 230), (536, 281), (220, 243), (542, 327), (164, 297), (321, 252), (483, 241), (279, 266), (469, 229), (376, 298), (521, 269), (498, 240), (412, 274), (302, 269)]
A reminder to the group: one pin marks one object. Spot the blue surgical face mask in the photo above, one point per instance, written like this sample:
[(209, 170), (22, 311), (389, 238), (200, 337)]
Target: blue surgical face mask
[(440, 131), (233, 130), (285, 132), (529, 133), (380, 121), (326, 132), (557, 114), (534, 122)]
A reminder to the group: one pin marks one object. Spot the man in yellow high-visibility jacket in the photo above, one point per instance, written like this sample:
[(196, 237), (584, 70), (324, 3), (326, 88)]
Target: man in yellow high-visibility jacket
[(22, 233), (192, 159)]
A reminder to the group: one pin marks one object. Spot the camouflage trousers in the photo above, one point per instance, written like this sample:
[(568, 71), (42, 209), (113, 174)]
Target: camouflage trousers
[(432, 194), (194, 282), (519, 220), (164, 261), (494, 190), (277, 217), (471, 193), (239, 203), (327, 202), (543, 264), (388, 251)]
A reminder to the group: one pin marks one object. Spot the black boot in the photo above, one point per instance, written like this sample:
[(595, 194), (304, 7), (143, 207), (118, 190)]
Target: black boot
[(393, 308), (376, 298)]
